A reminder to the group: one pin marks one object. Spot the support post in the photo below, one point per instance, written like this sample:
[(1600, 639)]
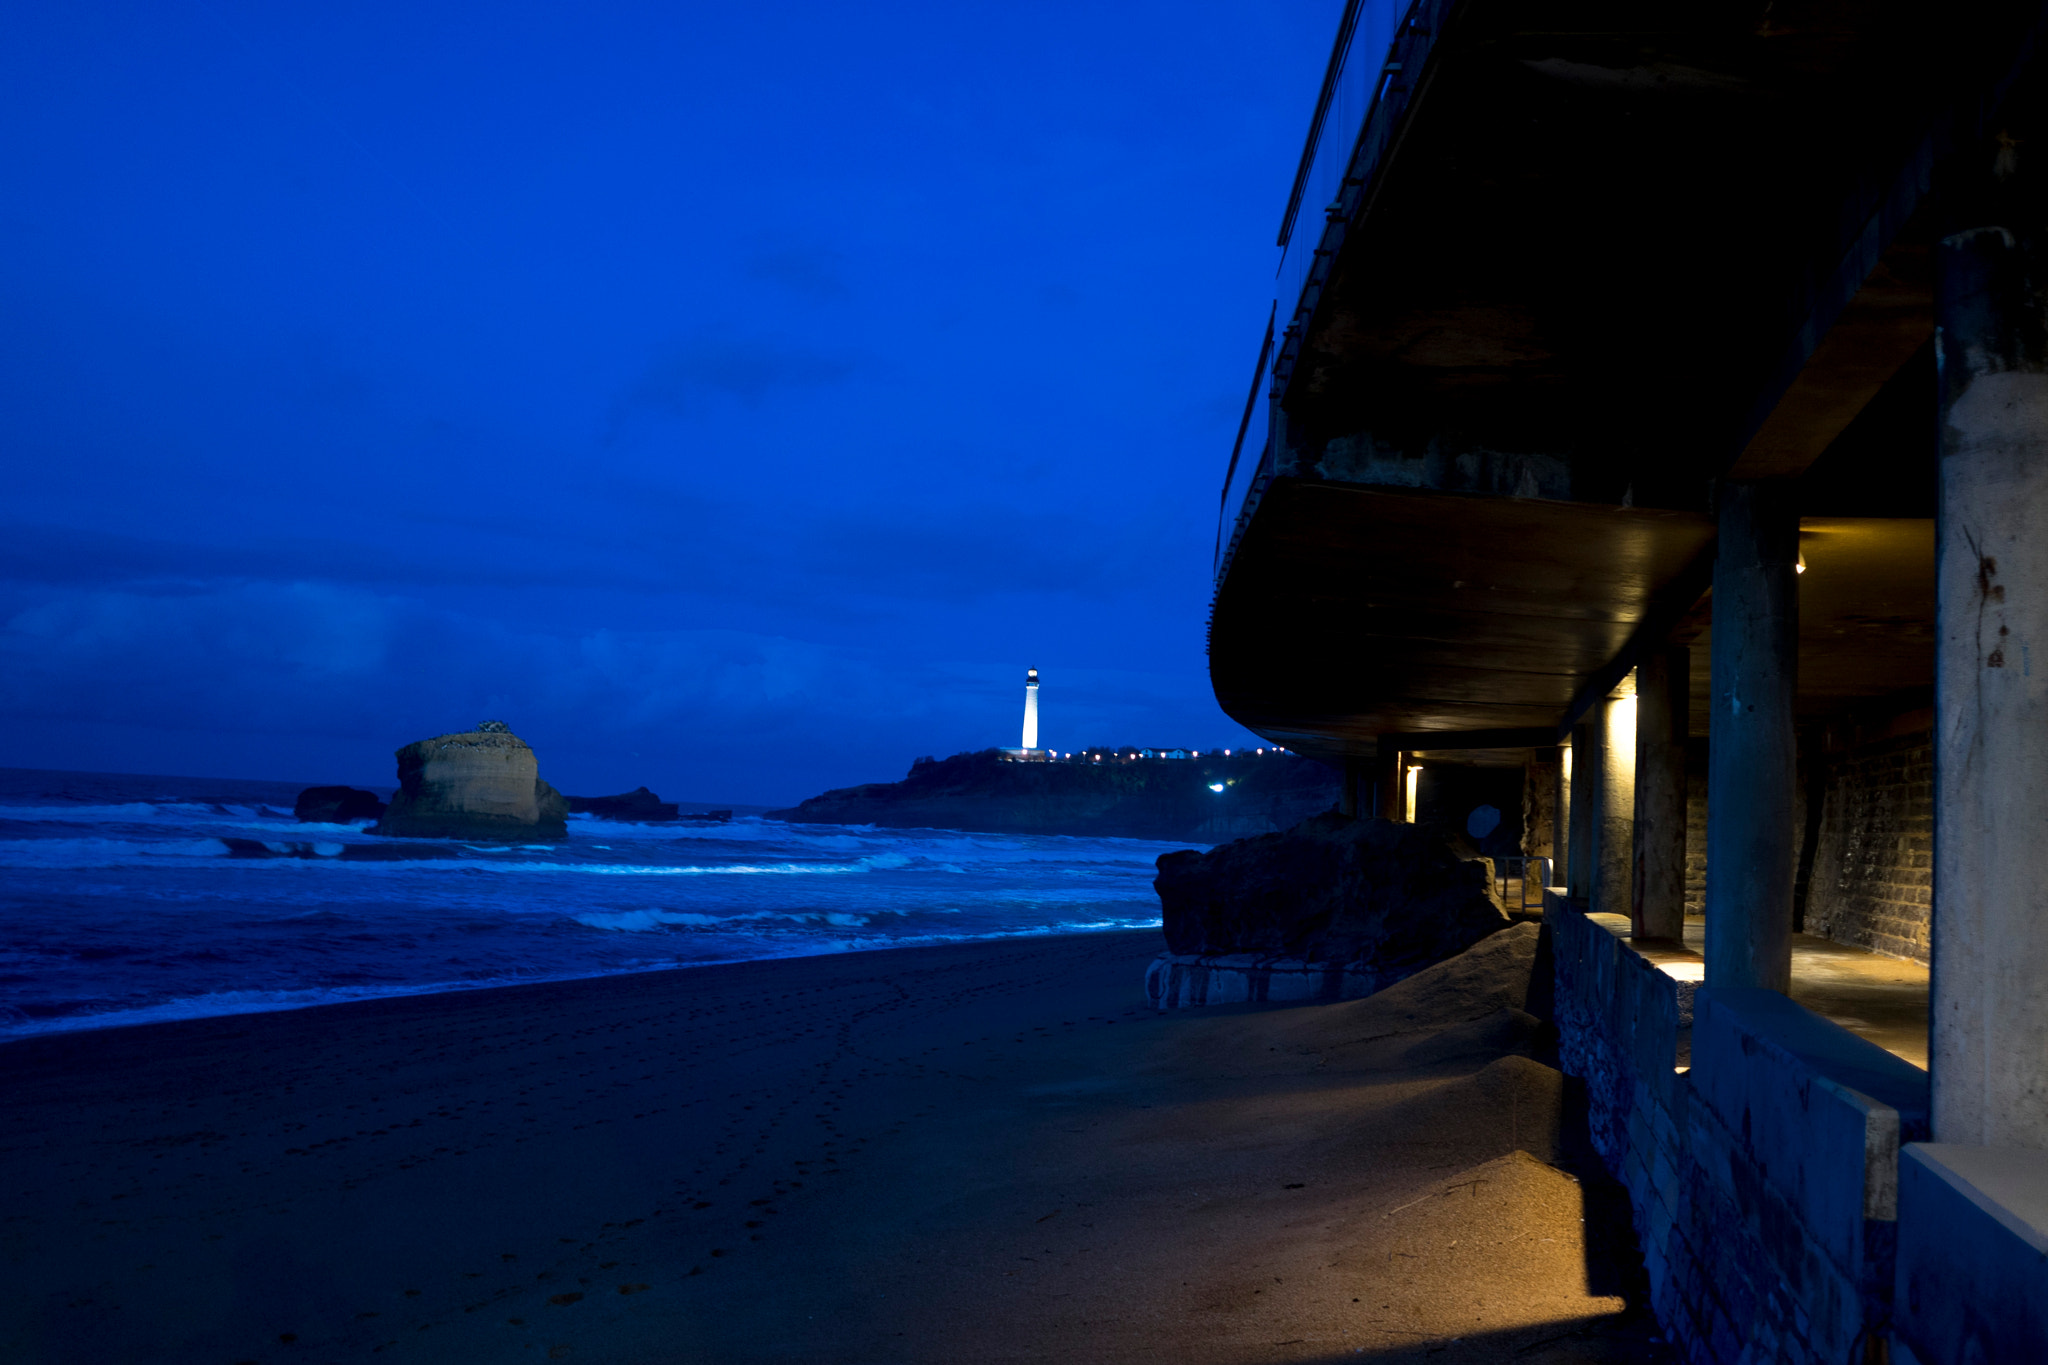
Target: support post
[(1539, 804), (1386, 783), (1663, 706), (1613, 828), (1585, 810), (1989, 1008), (1561, 839), (1752, 751), (1347, 801)]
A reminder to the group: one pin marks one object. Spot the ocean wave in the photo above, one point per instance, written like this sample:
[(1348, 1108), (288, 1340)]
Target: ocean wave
[(94, 853), (640, 921), (145, 812)]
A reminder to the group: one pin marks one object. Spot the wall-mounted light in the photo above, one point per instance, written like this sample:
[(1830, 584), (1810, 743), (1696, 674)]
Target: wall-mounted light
[(1215, 786), (1800, 565)]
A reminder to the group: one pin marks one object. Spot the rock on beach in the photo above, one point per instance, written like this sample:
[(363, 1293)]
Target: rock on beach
[(1330, 890), (477, 784)]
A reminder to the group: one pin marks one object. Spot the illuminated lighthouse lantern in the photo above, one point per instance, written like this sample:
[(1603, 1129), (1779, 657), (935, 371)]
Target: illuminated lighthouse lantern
[(1030, 752)]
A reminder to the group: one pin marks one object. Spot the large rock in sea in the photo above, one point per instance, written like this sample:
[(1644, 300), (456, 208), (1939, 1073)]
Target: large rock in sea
[(479, 784), (337, 805), (1332, 909)]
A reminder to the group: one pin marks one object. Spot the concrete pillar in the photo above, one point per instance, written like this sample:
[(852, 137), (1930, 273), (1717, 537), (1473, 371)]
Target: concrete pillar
[(1989, 1044), (1387, 789), (1613, 828), (1347, 800), (1752, 751), (1657, 884), (1585, 810), (1560, 872), (1539, 805)]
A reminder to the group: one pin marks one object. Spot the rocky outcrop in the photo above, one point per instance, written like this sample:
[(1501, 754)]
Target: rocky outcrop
[(337, 805), (479, 784), (638, 806), (1364, 898), (1203, 800)]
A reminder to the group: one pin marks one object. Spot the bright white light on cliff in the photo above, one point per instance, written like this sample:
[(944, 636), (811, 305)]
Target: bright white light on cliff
[(1215, 786)]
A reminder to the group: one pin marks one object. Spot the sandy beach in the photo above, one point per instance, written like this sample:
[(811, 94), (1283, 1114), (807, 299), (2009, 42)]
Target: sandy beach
[(987, 1151)]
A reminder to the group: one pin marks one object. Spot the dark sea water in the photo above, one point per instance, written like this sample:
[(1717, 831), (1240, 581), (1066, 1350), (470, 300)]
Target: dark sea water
[(126, 899)]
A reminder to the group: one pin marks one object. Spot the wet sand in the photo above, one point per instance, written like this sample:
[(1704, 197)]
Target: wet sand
[(971, 1152)]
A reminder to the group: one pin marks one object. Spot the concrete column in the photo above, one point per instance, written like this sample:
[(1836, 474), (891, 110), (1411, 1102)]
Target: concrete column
[(1613, 828), (1989, 1053), (1386, 783), (1539, 804), (1663, 701), (1586, 772), (1347, 800), (1752, 752), (1561, 839)]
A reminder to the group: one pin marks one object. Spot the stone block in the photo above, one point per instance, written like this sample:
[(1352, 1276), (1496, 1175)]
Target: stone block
[(1817, 1109), (1973, 1254)]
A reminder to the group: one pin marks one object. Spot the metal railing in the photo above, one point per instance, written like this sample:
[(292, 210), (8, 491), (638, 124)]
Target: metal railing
[(1366, 60), (1522, 866)]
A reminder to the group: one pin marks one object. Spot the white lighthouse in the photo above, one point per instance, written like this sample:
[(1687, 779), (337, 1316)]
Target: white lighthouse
[(1030, 752)]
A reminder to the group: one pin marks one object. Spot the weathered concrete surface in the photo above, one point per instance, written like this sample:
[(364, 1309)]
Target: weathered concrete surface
[(1391, 898), (1752, 751), (1973, 1254), (1657, 880), (478, 784), (1991, 732)]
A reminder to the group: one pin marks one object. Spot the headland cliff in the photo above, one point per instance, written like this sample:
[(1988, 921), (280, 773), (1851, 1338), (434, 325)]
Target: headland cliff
[(1207, 800)]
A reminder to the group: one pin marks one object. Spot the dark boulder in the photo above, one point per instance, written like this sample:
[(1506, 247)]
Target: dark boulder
[(337, 805), (639, 806), (1332, 889)]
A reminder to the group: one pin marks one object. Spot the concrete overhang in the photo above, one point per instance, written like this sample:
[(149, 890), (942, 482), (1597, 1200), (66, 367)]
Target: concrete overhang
[(1604, 261)]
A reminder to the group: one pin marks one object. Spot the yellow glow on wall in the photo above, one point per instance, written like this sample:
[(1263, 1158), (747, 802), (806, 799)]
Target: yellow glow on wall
[(1414, 772)]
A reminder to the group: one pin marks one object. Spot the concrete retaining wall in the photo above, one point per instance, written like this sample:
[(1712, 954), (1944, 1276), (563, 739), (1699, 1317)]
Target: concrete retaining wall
[(1763, 1177), (1973, 1254), (1183, 980)]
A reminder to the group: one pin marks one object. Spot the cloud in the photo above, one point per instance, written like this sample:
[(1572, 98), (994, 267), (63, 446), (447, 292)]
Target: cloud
[(818, 272), (312, 677), (745, 368)]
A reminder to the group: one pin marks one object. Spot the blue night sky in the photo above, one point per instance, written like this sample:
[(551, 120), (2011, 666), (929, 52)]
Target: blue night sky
[(734, 399)]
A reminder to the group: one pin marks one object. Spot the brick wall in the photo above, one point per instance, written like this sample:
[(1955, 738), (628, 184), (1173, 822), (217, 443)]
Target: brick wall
[(1696, 838), (1873, 859)]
